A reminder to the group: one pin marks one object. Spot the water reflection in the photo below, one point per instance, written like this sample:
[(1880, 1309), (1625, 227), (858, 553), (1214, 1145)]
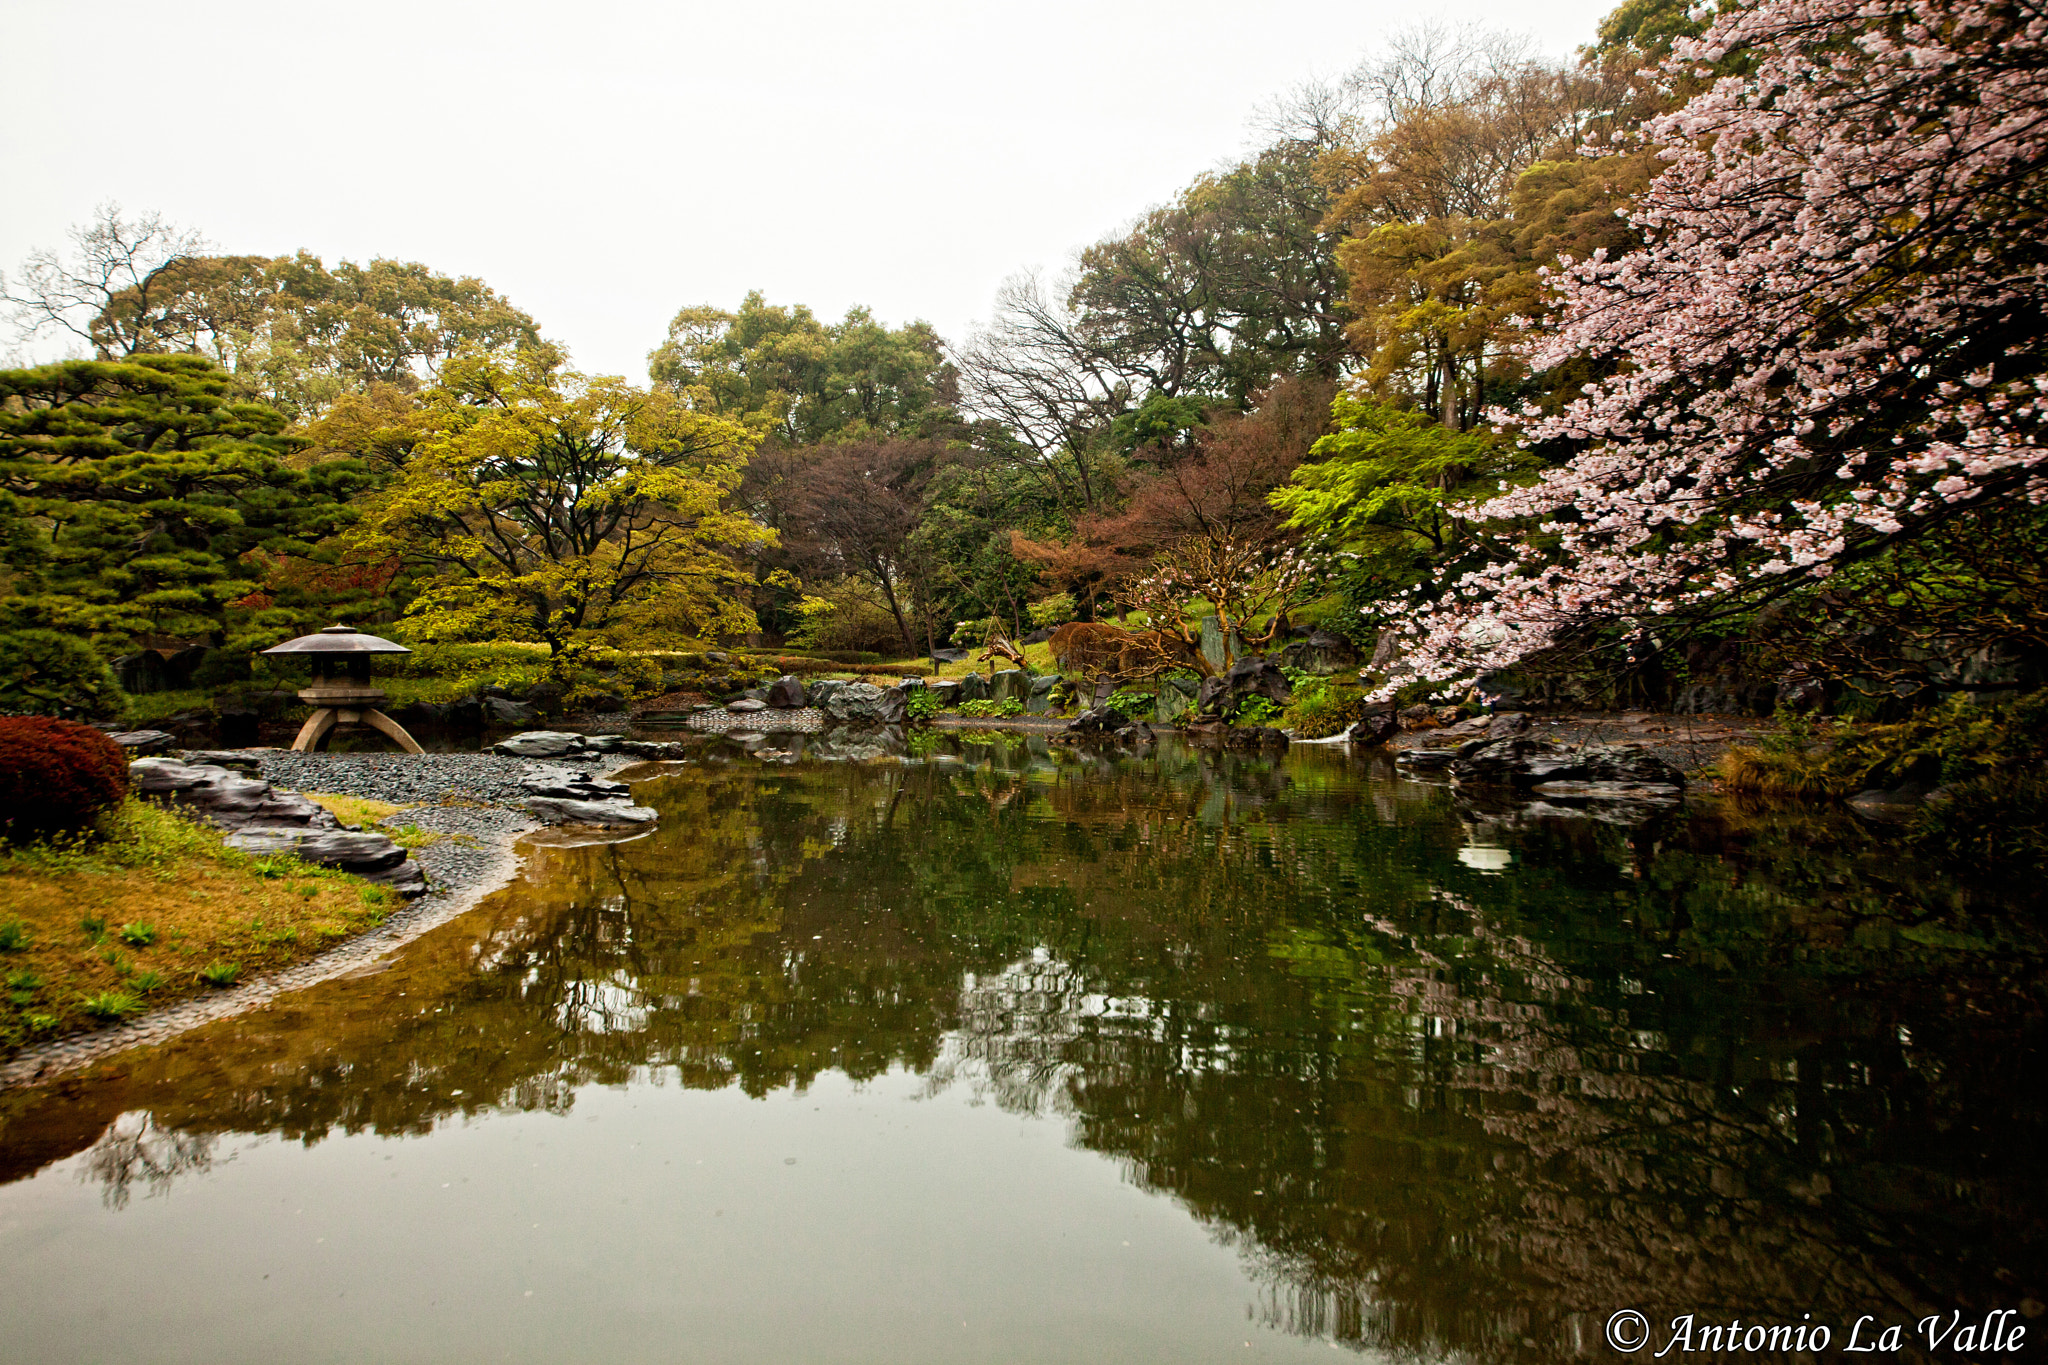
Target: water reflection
[(1452, 1082)]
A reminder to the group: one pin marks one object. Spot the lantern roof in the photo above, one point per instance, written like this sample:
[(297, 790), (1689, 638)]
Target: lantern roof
[(338, 640)]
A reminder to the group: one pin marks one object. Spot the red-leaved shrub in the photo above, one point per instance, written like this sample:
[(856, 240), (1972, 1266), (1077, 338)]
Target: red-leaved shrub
[(55, 775)]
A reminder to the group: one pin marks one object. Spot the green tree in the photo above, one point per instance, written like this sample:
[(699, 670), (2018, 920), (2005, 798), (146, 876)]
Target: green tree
[(1388, 491), (140, 497), (539, 504), (802, 380), (294, 333)]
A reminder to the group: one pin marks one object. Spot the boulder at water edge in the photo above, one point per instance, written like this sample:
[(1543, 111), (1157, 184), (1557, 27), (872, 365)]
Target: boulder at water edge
[(559, 810), (866, 704), (1011, 684), (787, 694), (539, 744)]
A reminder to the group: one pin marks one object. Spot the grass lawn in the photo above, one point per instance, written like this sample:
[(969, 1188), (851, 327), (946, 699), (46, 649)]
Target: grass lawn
[(154, 909)]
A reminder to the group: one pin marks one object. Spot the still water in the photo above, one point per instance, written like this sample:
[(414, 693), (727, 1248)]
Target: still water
[(1008, 1053)]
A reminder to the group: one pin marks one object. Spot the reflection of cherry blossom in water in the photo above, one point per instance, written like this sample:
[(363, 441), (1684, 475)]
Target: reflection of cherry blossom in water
[(1832, 339), (135, 1149)]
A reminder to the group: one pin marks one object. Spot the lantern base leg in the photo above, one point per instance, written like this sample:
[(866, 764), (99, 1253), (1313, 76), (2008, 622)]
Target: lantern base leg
[(378, 721), (314, 730)]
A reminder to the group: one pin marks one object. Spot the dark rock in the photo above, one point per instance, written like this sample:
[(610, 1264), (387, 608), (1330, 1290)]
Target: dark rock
[(1426, 758), (499, 711), (1524, 763), (821, 691), (866, 704), (180, 666), (1011, 684), (944, 655), (359, 854), (247, 764), (556, 810), (1251, 676), (1136, 735), (1324, 654), (1627, 763), (144, 741), (1507, 723), (946, 690), (545, 695), (1170, 702), (1039, 636), (539, 744), (1254, 737), (236, 727), (546, 779), (352, 852), (142, 673), (1378, 728), (605, 703), (1419, 718), (1506, 762), (759, 694), (973, 687), (1042, 692), (787, 694), (655, 750), (1098, 721)]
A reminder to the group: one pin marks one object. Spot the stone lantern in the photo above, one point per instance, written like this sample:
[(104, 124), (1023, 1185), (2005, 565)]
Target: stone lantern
[(340, 693)]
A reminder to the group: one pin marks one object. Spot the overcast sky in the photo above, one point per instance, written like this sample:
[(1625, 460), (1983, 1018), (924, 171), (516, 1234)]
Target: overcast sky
[(603, 164)]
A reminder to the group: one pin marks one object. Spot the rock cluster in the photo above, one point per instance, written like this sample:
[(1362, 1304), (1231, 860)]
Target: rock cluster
[(1601, 772), (860, 703), (557, 795), (260, 819), (1104, 725)]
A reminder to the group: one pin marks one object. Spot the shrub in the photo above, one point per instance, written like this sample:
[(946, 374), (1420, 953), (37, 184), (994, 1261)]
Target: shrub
[(989, 706), (1133, 705), (851, 616), (1056, 610), (138, 935), (56, 775), (1321, 707), (923, 704), (219, 973), (1257, 710), (43, 673)]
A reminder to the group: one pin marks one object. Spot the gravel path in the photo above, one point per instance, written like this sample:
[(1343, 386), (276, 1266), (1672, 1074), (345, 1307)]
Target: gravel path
[(404, 779)]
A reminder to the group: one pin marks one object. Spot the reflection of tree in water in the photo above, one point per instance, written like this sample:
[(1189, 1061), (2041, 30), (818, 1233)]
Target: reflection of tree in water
[(136, 1149), (1440, 1110)]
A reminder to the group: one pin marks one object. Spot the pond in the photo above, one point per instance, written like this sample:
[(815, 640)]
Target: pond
[(1011, 1053)]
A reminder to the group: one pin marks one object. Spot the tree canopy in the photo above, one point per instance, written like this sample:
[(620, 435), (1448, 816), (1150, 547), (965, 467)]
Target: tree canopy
[(544, 505), (139, 497)]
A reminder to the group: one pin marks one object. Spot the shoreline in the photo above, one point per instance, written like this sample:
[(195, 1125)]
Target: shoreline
[(489, 866)]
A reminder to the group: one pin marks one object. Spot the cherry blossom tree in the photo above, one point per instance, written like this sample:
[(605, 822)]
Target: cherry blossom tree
[(1831, 342)]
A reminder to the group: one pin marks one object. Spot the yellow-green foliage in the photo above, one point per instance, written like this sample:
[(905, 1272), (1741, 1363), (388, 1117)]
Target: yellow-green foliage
[(1322, 706)]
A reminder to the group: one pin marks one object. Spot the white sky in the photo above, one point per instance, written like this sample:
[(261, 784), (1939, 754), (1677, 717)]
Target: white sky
[(603, 164)]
